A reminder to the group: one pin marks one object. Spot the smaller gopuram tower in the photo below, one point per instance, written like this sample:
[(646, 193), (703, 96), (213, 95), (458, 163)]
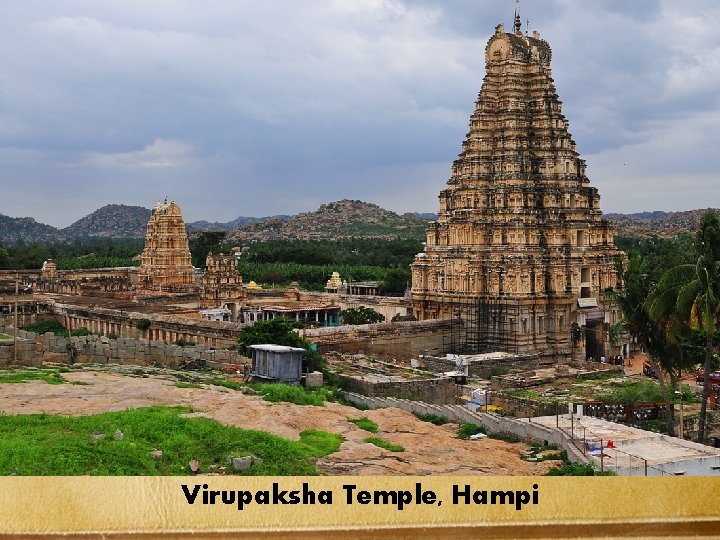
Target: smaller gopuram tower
[(166, 260), (520, 251), (221, 284)]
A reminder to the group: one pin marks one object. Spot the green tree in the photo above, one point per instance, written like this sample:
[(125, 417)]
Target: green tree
[(689, 295), (396, 281), (204, 243), (361, 315), (650, 334), (278, 331)]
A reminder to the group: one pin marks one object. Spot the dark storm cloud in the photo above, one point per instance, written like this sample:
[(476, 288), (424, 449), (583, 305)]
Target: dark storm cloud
[(255, 108)]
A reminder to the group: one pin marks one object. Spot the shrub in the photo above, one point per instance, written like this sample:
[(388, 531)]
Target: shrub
[(361, 315), (143, 324), (82, 331), (578, 469), (432, 418), (467, 429), (40, 327)]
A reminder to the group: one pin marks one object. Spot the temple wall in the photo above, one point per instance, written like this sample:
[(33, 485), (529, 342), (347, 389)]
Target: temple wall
[(170, 328), (401, 339), (34, 349)]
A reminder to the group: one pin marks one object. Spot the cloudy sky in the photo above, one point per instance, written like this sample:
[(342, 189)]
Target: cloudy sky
[(249, 107)]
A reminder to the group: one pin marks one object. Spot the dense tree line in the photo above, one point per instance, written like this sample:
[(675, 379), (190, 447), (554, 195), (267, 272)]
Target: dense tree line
[(80, 253), (312, 262)]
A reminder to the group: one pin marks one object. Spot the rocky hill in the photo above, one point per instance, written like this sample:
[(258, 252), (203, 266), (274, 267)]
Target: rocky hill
[(340, 219), (26, 230), (662, 224), (203, 225), (111, 221)]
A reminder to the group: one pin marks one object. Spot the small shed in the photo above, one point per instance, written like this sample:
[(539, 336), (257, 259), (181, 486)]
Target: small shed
[(277, 362)]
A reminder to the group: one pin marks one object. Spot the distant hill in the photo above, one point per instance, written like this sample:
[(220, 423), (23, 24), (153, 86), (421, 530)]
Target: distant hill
[(112, 221), (428, 216), (341, 219), (662, 224), (231, 225), (26, 230)]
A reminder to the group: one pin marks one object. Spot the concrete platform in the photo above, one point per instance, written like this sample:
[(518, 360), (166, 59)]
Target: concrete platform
[(637, 452)]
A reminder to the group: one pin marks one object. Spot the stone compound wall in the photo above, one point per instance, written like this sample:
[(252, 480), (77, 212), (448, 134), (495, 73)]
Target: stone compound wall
[(490, 421), (170, 328), (442, 390), (401, 339), (92, 349)]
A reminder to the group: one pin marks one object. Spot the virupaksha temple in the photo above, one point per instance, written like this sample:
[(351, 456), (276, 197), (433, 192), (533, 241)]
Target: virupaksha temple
[(520, 251)]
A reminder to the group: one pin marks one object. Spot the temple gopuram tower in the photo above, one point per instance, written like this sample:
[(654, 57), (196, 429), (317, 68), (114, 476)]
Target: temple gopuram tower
[(221, 284), (166, 261), (520, 251)]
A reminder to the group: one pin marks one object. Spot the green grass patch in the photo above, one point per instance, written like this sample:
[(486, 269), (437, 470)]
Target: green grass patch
[(522, 393), (432, 418), (282, 392), (599, 376), (50, 377), (299, 395), (320, 443), (58, 369), (182, 384), (232, 385), (5, 336), (634, 391), (47, 445), (467, 429), (384, 443), (365, 423)]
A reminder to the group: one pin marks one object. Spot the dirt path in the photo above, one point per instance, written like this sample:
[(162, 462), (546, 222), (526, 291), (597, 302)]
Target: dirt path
[(429, 449)]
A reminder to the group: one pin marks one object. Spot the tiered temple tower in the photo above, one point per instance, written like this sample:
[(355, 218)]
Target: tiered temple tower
[(165, 261), (520, 251), (221, 284)]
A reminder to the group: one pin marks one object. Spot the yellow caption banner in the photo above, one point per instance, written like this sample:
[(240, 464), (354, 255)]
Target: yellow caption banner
[(461, 507)]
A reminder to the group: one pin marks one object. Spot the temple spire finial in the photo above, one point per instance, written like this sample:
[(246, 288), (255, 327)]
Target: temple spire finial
[(518, 22)]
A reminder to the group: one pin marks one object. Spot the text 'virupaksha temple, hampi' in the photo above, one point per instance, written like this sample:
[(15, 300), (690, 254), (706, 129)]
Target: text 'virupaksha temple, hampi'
[(520, 251)]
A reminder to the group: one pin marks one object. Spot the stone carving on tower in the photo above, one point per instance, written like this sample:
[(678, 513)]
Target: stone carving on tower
[(165, 262), (519, 250)]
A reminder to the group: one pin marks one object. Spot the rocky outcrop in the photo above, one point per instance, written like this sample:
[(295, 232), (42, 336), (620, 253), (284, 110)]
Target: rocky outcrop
[(111, 221), (340, 219)]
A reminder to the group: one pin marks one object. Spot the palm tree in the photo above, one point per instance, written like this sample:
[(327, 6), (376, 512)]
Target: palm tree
[(689, 294), (632, 301)]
